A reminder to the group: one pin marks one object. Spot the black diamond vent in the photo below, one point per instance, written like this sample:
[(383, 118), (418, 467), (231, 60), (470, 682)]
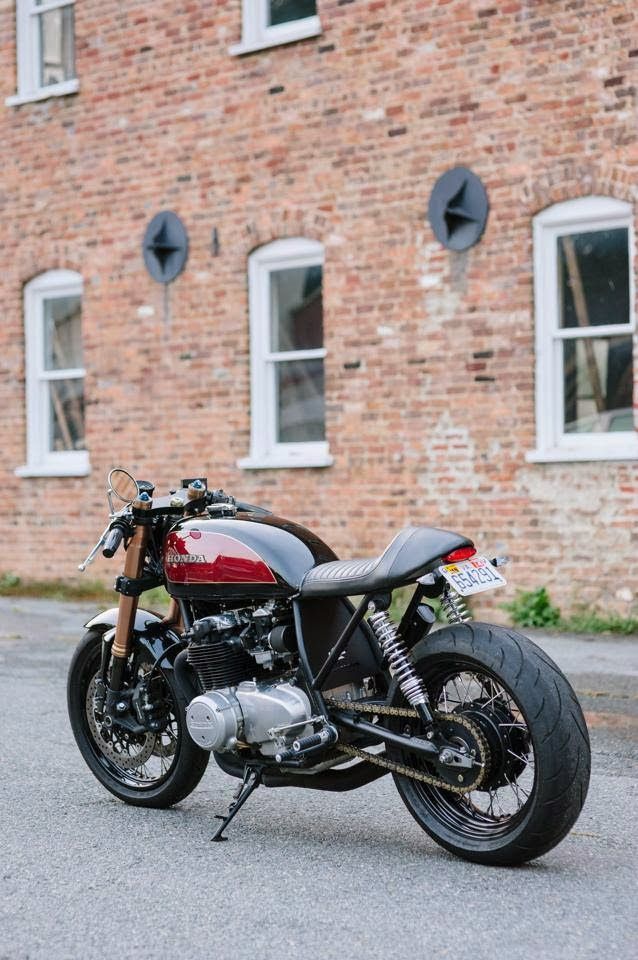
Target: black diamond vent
[(458, 209), (165, 246)]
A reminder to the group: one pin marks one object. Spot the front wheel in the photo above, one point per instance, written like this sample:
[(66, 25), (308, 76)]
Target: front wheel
[(149, 769), (538, 758)]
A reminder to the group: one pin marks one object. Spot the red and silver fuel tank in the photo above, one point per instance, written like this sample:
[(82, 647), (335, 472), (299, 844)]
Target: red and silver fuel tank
[(247, 555)]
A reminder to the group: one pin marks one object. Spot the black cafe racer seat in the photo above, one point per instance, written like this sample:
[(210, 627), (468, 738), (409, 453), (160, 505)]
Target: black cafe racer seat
[(405, 559)]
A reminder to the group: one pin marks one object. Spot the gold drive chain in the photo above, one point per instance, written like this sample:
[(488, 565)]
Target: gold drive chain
[(400, 768)]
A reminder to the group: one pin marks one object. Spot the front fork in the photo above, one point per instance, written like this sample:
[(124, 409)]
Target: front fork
[(127, 608)]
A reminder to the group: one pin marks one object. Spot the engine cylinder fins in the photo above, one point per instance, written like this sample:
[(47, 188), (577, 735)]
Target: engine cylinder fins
[(398, 658), (218, 664)]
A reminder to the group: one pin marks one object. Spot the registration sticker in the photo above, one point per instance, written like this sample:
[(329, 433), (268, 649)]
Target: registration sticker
[(472, 576)]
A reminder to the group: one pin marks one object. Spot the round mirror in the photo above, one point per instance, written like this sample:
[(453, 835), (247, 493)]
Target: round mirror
[(123, 485)]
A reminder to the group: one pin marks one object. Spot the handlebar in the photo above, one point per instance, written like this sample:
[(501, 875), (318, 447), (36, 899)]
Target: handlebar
[(112, 542), (113, 539)]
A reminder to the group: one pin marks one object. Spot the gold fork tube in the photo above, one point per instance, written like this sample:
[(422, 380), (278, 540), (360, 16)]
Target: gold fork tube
[(133, 568)]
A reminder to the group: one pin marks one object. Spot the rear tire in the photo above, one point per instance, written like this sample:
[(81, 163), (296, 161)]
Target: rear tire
[(170, 763), (539, 746)]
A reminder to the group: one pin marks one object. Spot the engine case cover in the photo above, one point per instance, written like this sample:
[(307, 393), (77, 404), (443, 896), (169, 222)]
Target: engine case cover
[(216, 720)]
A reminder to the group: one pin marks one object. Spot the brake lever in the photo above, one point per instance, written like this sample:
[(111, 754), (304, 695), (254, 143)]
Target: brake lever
[(91, 557)]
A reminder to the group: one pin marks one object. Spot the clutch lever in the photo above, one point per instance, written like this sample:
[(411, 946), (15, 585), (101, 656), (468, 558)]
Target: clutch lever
[(91, 557)]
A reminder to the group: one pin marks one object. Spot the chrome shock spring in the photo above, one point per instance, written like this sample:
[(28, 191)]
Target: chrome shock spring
[(396, 653), (454, 607)]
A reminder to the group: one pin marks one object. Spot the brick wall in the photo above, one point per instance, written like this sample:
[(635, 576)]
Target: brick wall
[(430, 364)]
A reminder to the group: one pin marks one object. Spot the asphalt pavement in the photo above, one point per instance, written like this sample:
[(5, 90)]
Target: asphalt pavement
[(305, 874)]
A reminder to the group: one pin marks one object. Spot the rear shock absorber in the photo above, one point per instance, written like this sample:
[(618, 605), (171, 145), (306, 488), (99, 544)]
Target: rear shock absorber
[(454, 607), (401, 667)]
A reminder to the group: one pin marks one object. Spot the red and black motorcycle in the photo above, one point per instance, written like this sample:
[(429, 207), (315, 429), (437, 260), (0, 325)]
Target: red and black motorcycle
[(263, 661)]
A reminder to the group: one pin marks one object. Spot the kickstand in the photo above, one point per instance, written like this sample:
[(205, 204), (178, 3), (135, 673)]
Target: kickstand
[(252, 779)]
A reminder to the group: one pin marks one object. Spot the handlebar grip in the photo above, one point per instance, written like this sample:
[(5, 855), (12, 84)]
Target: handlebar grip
[(112, 542)]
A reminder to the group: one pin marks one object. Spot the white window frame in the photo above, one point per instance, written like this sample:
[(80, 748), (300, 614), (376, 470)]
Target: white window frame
[(41, 461), (553, 444), (265, 451), (257, 35), (28, 55)]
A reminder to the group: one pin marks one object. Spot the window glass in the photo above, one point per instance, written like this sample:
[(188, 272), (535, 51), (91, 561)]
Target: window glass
[(296, 309), (62, 333), (284, 11), (598, 380), (57, 57), (66, 400), (300, 401), (594, 278)]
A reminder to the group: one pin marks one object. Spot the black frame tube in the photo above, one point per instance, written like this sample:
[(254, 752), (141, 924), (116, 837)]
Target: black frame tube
[(341, 644), (406, 619), (315, 694)]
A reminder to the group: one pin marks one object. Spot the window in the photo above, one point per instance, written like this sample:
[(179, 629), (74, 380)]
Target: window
[(268, 23), (585, 324), (287, 354), (45, 49), (54, 376)]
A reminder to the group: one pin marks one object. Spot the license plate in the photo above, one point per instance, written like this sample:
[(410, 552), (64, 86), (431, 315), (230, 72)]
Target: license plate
[(472, 576)]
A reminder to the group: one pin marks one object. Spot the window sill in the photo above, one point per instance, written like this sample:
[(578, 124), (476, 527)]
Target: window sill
[(622, 451), (55, 90), (53, 470), (280, 463), (277, 36)]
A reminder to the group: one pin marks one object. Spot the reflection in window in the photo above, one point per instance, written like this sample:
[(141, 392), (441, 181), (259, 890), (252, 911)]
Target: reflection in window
[(598, 375), (296, 309), (296, 324), (594, 278), (63, 353), (57, 56), (300, 401), (284, 11)]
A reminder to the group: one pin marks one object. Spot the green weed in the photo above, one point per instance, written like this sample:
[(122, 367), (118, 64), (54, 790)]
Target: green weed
[(533, 608), (593, 621)]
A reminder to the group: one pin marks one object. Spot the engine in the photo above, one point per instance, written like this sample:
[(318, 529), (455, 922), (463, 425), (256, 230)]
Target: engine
[(243, 659)]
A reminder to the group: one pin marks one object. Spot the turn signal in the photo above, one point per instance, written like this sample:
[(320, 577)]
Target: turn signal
[(463, 553)]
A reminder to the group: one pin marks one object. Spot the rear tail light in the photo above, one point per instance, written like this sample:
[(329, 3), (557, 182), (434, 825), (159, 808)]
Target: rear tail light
[(463, 553)]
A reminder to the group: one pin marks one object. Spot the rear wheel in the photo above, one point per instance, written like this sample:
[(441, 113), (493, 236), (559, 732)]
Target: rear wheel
[(151, 769), (538, 761)]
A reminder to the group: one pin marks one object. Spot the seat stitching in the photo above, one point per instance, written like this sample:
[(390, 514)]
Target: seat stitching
[(376, 562)]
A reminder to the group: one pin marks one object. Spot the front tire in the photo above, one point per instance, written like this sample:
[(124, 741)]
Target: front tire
[(151, 770), (539, 766)]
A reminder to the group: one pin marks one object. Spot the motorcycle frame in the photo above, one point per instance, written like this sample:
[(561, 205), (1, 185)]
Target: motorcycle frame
[(127, 623)]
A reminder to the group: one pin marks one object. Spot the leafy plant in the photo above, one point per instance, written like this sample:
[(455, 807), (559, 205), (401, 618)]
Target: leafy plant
[(593, 621), (533, 608), (8, 581)]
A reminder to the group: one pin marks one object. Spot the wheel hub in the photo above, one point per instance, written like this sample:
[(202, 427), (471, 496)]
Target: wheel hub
[(508, 742), (461, 739), (126, 749)]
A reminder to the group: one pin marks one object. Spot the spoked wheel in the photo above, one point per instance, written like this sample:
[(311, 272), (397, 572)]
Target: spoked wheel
[(153, 768), (537, 757)]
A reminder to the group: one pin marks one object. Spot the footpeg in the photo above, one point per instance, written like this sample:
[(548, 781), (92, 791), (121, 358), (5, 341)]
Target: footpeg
[(304, 745)]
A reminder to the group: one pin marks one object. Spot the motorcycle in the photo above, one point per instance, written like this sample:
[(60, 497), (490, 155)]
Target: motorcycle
[(264, 661)]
